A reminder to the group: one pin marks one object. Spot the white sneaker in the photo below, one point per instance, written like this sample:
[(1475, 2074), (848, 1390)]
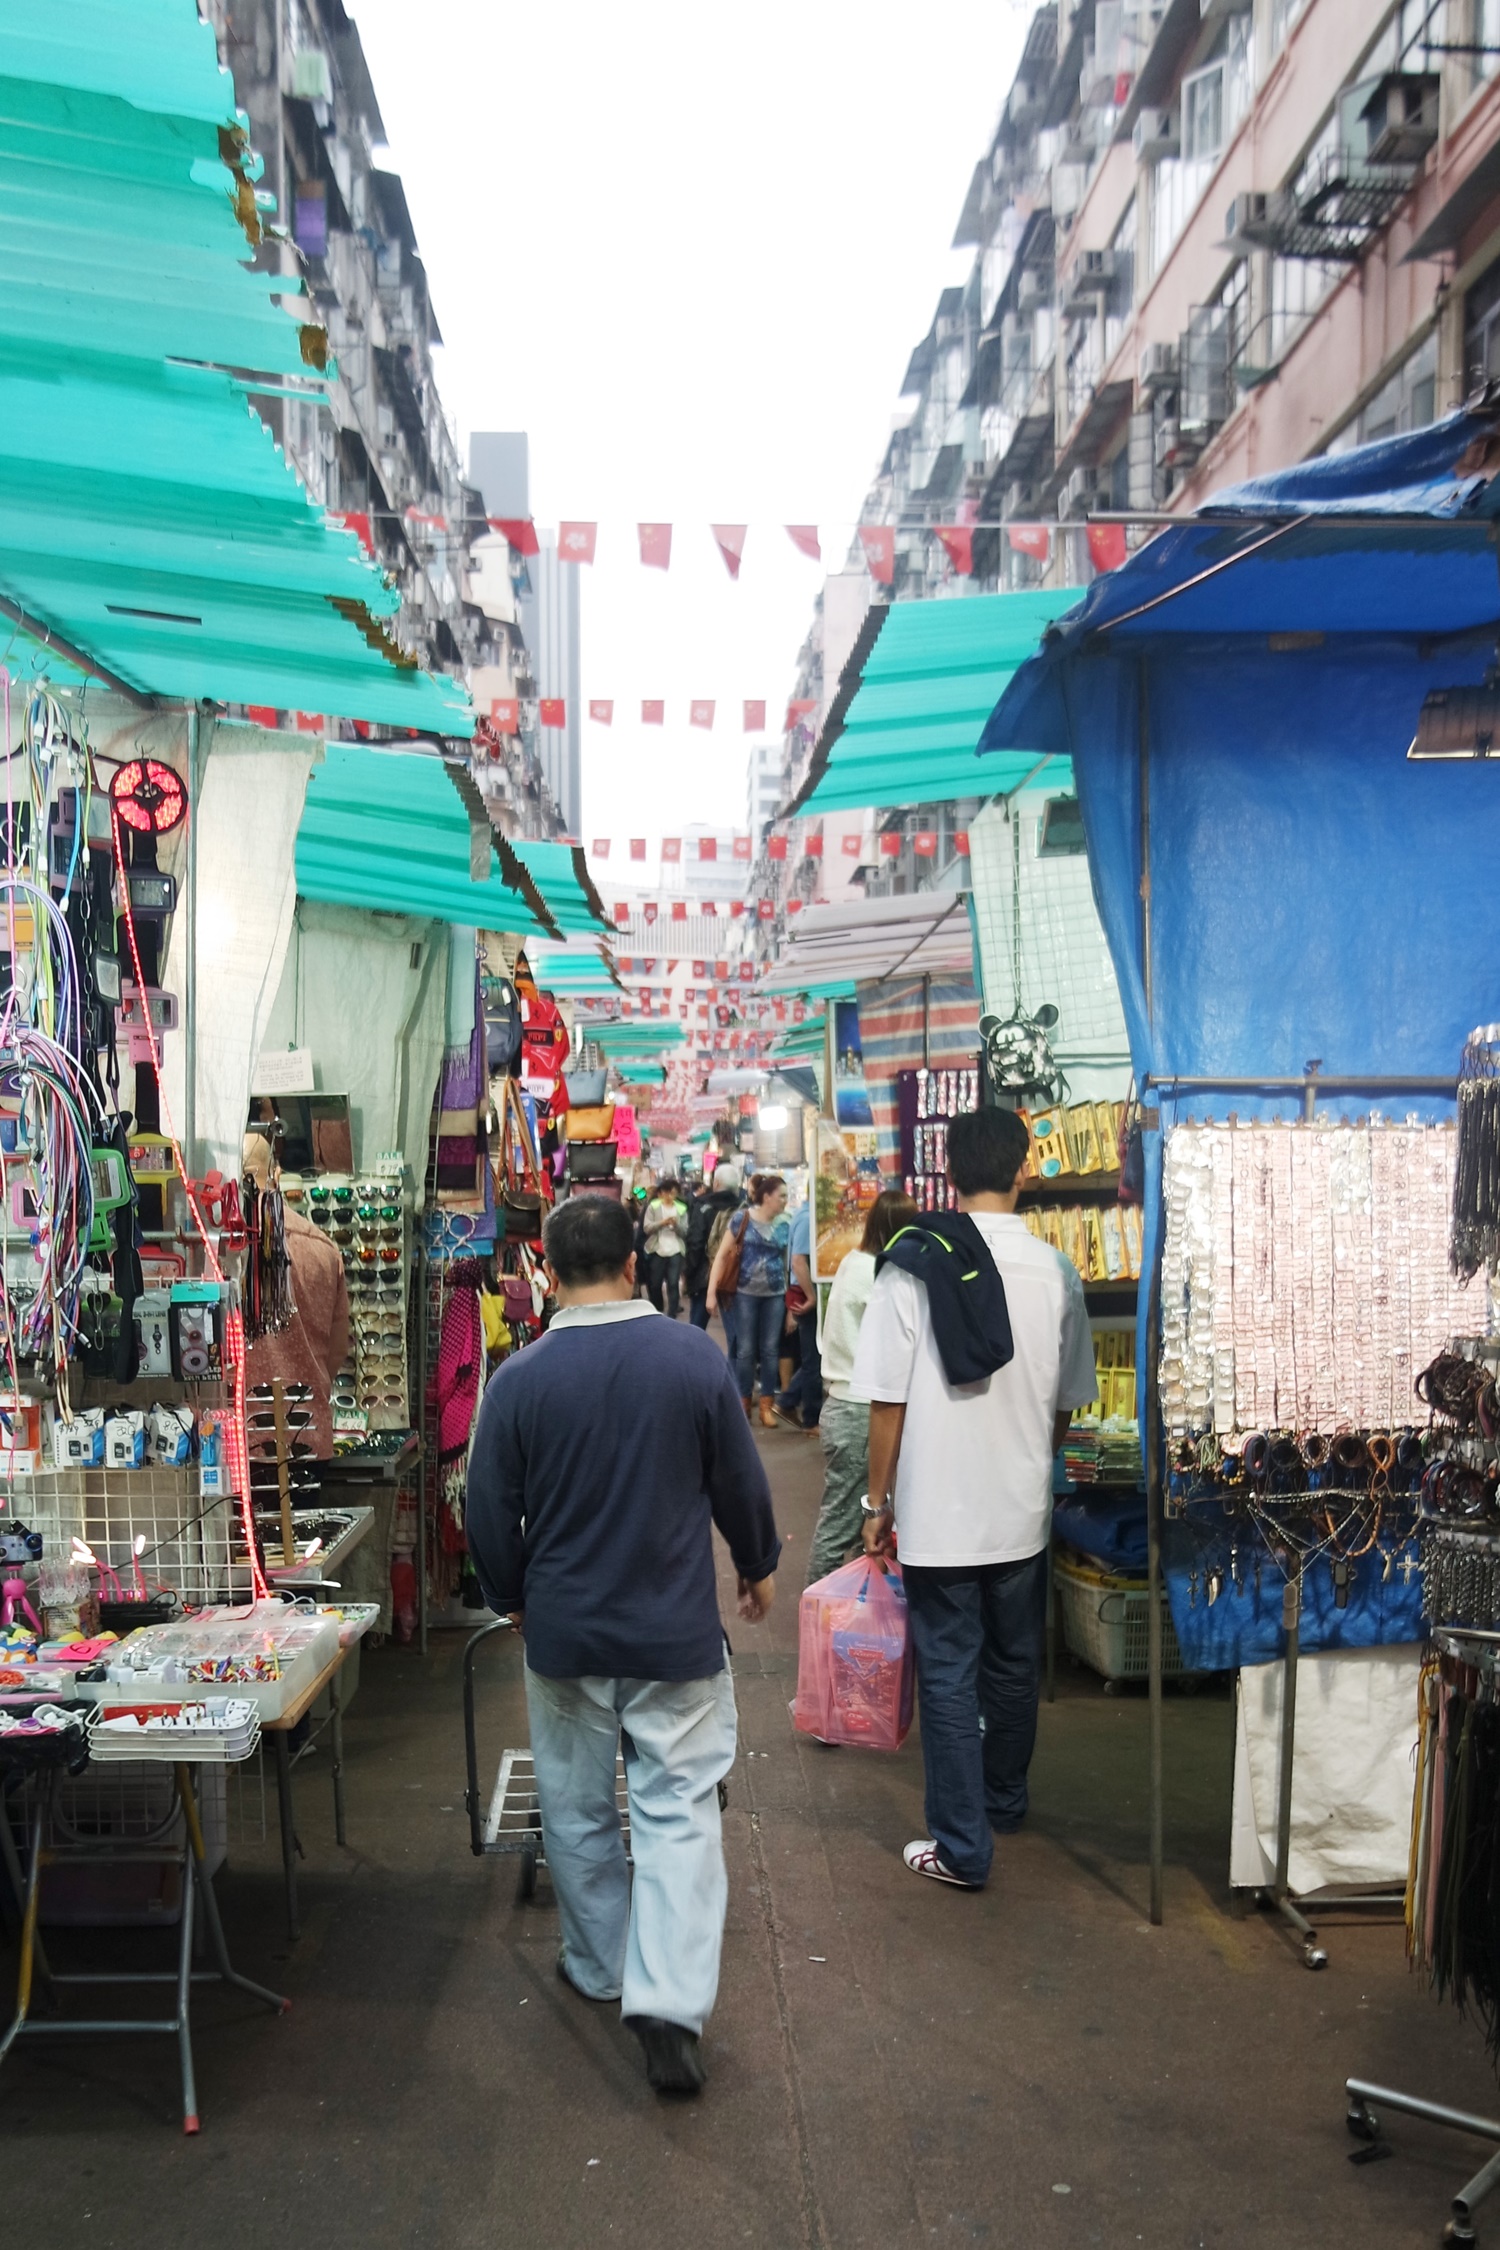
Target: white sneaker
[(922, 1858)]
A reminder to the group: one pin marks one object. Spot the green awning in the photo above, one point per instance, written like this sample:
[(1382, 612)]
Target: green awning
[(561, 874), (149, 524), (579, 971), (913, 699), (402, 832)]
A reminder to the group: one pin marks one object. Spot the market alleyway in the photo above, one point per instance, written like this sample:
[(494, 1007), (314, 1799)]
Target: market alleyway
[(891, 2062)]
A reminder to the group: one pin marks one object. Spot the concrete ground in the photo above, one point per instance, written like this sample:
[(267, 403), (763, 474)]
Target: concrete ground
[(892, 2062)]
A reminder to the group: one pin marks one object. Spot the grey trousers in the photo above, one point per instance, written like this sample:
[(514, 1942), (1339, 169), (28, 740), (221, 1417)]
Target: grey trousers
[(844, 1432)]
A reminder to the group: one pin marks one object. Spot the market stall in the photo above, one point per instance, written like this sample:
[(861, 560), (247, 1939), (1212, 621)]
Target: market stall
[(1299, 920)]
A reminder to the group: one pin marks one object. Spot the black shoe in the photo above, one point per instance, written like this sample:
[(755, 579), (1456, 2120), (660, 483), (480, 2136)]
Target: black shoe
[(673, 2063)]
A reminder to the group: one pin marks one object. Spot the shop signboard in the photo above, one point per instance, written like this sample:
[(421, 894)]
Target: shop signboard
[(846, 1184), (851, 1102)]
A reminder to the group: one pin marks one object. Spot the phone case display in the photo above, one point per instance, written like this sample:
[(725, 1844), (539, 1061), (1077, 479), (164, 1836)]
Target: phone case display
[(1074, 1141), (1102, 1240), (927, 1101), (1305, 1278)]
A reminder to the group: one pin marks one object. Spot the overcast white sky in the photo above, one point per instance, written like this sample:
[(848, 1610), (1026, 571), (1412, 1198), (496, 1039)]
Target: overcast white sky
[(688, 248)]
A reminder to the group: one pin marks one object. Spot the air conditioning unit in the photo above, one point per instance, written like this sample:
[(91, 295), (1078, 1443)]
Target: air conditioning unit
[(1079, 493), (1401, 117), (1033, 289), (1253, 220), (1091, 276), (312, 80), (1024, 104), (1158, 369), (1156, 135)]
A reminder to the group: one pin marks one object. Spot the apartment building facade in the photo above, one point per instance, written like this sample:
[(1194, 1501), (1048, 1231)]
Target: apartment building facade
[(378, 451)]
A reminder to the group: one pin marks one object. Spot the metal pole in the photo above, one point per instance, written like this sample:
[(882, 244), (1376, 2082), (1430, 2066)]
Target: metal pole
[(927, 1022), (1153, 1610), (190, 996), (1291, 1618), (421, 1421), (1153, 1444)]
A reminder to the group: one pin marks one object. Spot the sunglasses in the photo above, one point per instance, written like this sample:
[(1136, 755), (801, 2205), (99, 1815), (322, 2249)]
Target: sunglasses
[(289, 1391), (298, 1421), (266, 1449), (323, 1193), (388, 1253), (367, 1211), (384, 1398)]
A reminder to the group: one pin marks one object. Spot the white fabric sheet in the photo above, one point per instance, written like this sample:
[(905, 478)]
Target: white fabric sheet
[(1353, 1770), (249, 809)]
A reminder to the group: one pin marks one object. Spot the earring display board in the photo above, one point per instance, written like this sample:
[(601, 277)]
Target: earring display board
[(1305, 1279), (927, 1101)]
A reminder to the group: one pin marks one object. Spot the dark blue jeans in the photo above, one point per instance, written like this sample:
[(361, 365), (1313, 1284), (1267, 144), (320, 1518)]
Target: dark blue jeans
[(979, 1636), (758, 1343), (804, 1393)]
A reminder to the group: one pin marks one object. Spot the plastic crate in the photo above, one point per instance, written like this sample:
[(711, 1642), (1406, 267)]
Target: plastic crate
[(1106, 1622)]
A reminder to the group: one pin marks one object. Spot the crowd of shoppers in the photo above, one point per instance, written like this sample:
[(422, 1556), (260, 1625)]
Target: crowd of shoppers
[(955, 1347)]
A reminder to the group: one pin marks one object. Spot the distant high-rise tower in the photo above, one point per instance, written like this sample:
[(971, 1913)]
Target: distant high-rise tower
[(499, 464)]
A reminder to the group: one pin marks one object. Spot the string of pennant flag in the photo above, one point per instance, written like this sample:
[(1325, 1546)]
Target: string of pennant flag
[(579, 541), (816, 846), (552, 711)]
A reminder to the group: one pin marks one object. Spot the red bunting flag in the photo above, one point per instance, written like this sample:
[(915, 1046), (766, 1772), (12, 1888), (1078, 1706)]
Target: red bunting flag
[(721, 970), (766, 909), (637, 847), (1030, 539), (671, 847), (708, 847), (776, 847), (755, 718), (505, 715), (747, 972), (602, 711), (794, 905), (890, 847), (679, 909), (575, 541), (700, 714), (553, 711), (262, 714), (957, 541), (622, 913), (879, 543), (520, 531), (656, 545), (736, 907), (778, 1010), (601, 847), (357, 521), (700, 969), (649, 910), (804, 537), (851, 846), (798, 709), (729, 538), (744, 847), (1106, 545), (924, 843), (708, 907), (799, 1011), (961, 842), (813, 845)]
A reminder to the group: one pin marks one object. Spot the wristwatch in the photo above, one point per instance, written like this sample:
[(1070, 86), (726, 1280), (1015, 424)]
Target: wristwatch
[(866, 1510)]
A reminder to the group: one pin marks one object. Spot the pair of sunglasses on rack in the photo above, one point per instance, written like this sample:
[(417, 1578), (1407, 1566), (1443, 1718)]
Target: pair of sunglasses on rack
[(293, 1393), (298, 1419), (265, 1449), (324, 1192)]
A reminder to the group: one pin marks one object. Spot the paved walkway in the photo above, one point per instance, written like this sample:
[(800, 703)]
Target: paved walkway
[(892, 2062)]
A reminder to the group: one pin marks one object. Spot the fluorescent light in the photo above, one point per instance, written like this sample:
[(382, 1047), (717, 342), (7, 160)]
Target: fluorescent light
[(772, 1117)]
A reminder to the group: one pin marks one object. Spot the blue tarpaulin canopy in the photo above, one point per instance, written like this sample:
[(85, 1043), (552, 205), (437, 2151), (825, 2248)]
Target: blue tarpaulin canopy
[(1239, 698)]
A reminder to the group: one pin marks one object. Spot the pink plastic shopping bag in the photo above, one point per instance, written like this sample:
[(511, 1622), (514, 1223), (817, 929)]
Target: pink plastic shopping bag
[(854, 1658)]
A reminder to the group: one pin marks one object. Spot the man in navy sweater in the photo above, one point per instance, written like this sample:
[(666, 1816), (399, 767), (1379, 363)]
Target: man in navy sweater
[(603, 1456)]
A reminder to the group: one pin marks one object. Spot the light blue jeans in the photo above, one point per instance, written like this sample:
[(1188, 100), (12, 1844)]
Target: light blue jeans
[(656, 1947)]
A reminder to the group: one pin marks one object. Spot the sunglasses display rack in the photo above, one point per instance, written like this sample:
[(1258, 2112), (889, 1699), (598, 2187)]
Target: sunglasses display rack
[(365, 1216)]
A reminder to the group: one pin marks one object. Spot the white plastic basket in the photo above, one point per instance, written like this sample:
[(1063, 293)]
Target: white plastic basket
[(1106, 1623)]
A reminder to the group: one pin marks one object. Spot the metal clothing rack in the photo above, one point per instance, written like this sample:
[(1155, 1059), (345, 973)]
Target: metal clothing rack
[(1306, 1089)]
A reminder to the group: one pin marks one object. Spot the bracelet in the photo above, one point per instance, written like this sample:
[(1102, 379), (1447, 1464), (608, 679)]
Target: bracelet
[(866, 1510)]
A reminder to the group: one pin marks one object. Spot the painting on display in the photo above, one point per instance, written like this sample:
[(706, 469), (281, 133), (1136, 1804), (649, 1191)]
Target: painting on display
[(847, 1183), (851, 1101)]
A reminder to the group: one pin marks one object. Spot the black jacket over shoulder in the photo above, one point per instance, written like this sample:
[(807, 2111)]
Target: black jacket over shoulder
[(700, 1226), (965, 1294)]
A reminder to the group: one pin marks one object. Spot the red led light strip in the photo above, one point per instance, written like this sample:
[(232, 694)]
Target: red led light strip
[(234, 1325)]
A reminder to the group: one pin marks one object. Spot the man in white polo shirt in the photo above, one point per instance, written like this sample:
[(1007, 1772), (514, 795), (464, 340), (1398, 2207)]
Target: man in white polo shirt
[(961, 1473)]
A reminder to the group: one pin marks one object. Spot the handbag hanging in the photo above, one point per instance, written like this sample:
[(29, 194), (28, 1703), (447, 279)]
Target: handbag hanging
[(729, 1280), (591, 1160), (592, 1123), (585, 1087)]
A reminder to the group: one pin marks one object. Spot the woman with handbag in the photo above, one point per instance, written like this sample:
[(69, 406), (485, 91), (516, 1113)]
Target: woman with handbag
[(751, 1268), (844, 1426)]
